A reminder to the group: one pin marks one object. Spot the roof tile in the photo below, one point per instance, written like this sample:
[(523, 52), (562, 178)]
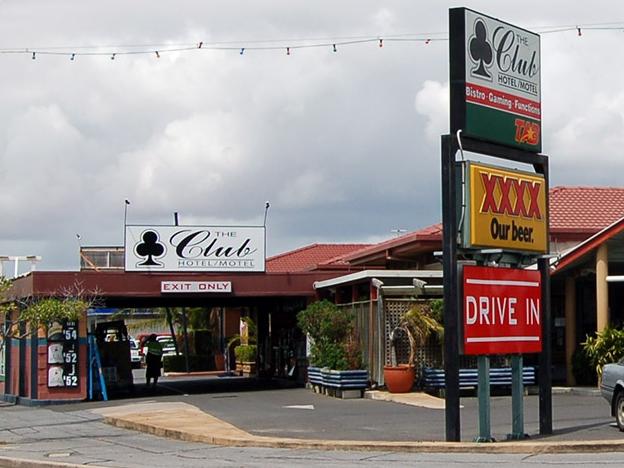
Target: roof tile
[(308, 257)]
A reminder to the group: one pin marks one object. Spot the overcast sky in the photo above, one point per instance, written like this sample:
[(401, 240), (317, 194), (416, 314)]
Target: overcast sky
[(344, 145)]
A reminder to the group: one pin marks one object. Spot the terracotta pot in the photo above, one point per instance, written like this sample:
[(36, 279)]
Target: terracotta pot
[(219, 361), (399, 379)]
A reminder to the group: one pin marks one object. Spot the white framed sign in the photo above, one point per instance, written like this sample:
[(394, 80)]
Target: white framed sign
[(495, 80), (182, 287), (194, 248)]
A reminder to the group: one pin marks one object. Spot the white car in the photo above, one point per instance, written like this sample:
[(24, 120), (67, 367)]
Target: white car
[(135, 357), (167, 344)]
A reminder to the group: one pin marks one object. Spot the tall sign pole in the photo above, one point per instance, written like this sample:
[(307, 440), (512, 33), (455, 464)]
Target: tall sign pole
[(495, 70), (450, 281)]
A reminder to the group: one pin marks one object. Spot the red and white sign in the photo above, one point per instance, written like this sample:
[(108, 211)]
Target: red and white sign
[(195, 286), (501, 311)]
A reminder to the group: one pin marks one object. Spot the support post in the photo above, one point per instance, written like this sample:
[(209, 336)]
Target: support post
[(485, 432), (517, 399), (186, 339), (545, 357), (172, 331), (602, 288), (570, 327), (451, 331)]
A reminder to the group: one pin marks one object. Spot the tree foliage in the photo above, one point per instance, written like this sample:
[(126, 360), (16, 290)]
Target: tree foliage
[(38, 313), (419, 323), (605, 347), (331, 330)]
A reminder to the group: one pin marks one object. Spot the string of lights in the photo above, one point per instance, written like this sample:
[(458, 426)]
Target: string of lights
[(288, 46)]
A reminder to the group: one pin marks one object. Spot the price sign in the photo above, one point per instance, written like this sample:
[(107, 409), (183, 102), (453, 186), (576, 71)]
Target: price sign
[(63, 369)]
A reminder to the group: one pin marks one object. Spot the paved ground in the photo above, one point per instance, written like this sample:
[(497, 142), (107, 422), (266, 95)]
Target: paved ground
[(261, 409), (252, 411)]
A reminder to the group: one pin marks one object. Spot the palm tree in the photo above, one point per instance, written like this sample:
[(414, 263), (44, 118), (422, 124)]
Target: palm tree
[(419, 324)]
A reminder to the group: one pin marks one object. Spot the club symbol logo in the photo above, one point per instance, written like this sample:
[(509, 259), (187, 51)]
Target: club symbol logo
[(480, 51), (150, 248)]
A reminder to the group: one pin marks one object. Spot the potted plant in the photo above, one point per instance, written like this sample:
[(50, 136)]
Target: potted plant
[(336, 360), (418, 324), (246, 352), (246, 357)]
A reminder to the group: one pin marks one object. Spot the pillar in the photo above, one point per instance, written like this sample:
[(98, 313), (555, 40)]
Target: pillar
[(602, 291), (570, 326)]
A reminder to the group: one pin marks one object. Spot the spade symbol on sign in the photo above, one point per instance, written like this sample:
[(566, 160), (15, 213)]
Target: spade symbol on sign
[(150, 248), (480, 50)]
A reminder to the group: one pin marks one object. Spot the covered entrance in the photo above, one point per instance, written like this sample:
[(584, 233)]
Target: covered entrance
[(206, 308)]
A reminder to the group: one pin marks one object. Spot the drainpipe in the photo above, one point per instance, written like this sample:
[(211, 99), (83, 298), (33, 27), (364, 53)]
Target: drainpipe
[(381, 344)]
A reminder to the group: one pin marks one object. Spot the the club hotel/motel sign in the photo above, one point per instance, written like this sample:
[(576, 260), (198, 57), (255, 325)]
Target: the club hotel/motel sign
[(495, 81), (504, 209), (195, 248)]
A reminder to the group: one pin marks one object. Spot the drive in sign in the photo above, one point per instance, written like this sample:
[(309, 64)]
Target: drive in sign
[(501, 310)]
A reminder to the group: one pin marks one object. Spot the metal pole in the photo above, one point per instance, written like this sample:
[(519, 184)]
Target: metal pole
[(186, 339), (451, 345), (485, 432), (545, 357), (172, 331), (517, 398)]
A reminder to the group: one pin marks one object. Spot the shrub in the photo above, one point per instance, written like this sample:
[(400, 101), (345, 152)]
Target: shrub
[(332, 333), (607, 346), (245, 353)]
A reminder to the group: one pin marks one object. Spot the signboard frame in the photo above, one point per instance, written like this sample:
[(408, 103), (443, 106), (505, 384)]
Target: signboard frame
[(518, 335), (513, 226), (192, 248), (507, 114)]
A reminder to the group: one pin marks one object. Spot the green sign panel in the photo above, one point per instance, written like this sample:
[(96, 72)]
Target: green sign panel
[(495, 81)]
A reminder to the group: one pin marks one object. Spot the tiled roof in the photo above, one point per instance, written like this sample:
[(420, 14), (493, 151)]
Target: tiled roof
[(308, 257), (585, 209), (429, 233)]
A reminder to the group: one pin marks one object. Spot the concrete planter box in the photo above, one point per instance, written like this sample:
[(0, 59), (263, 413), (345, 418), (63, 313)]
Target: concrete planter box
[(339, 384)]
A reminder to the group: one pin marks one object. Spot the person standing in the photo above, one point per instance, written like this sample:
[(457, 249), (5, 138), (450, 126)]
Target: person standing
[(153, 360)]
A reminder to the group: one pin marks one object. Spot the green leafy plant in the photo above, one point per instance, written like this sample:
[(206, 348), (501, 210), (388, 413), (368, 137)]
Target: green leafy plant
[(331, 331), (605, 347), (252, 333), (419, 323), (245, 353), (36, 314)]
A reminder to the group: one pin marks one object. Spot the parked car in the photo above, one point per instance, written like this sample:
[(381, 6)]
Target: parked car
[(167, 344), (612, 389), (135, 356)]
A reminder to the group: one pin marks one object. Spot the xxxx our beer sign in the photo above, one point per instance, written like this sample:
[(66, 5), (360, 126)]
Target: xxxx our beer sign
[(495, 81), (504, 209)]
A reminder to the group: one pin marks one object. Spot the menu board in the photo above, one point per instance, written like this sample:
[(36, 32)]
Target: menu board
[(63, 354)]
